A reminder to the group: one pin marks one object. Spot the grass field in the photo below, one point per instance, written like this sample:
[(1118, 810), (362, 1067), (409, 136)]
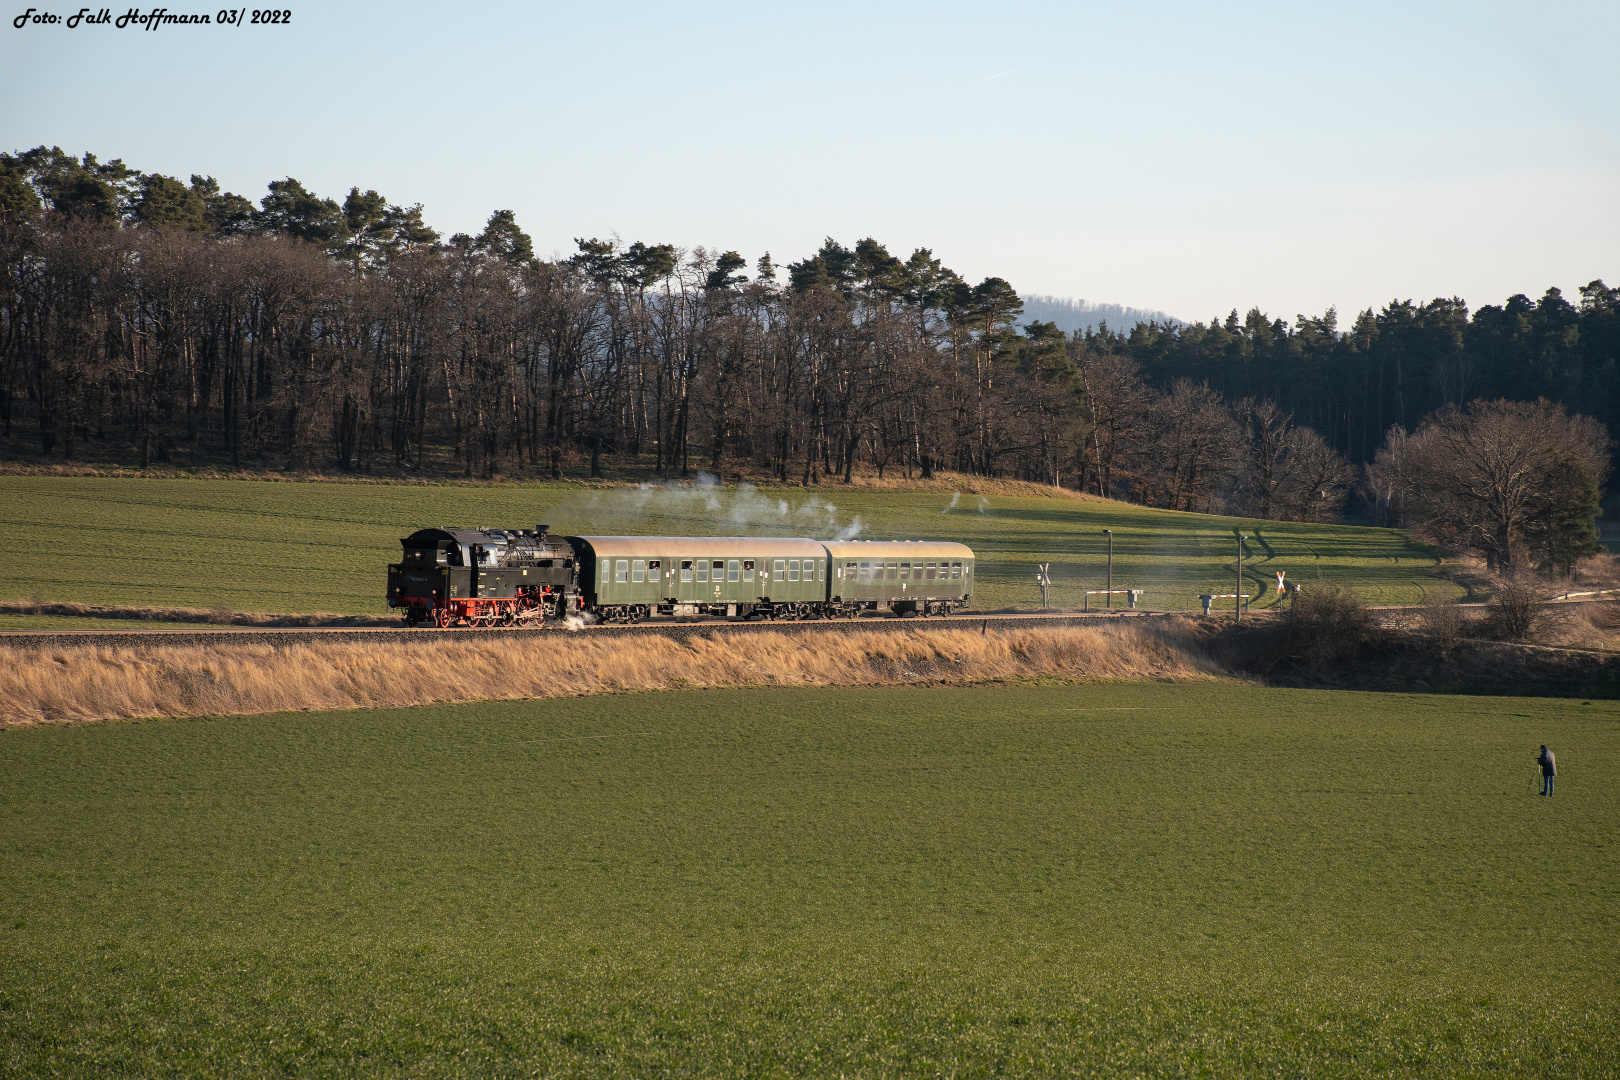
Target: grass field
[(1105, 880), (305, 547)]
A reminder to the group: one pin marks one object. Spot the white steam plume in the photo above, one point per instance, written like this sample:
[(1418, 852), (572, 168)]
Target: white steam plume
[(956, 497), (855, 529), (744, 511)]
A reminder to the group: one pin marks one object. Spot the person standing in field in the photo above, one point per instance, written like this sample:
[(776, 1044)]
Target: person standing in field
[(1549, 769)]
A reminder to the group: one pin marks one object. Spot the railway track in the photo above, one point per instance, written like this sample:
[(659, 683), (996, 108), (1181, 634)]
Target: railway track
[(284, 636), (287, 636)]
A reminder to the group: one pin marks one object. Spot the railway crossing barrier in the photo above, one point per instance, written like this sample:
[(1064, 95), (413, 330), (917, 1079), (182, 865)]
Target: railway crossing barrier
[(1207, 597), (1129, 594)]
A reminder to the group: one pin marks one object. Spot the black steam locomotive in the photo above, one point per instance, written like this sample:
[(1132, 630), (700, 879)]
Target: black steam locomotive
[(522, 577)]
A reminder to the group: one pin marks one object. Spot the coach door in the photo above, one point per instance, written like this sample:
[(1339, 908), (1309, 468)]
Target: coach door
[(686, 572)]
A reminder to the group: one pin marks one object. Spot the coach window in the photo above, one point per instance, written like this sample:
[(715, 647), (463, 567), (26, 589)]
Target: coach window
[(905, 571), (956, 570), (930, 572), (748, 569), (778, 569), (653, 570), (793, 569), (703, 571), (607, 568), (866, 572), (638, 572), (821, 571), (893, 571), (621, 570), (686, 569), (731, 569), (719, 570)]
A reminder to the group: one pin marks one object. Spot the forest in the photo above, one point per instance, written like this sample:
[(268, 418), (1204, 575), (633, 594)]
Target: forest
[(143, 318)]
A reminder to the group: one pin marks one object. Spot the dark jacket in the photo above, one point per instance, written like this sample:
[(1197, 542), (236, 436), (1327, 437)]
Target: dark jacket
[(1548, 766)]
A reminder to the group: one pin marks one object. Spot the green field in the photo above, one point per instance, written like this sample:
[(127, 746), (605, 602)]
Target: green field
[(75, 622), (1101, 880), (303, 547)]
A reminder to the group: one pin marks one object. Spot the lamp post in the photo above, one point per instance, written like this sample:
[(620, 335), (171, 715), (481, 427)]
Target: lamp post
[(1110, 593), (1237, 599)]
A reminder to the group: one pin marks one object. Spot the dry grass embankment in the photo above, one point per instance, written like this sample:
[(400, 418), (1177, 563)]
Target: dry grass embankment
[(86, 684)]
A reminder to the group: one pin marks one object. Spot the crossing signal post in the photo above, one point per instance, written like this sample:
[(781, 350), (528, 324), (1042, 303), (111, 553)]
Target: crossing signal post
[(1110, 533), (1044, 580), (1237, 609)]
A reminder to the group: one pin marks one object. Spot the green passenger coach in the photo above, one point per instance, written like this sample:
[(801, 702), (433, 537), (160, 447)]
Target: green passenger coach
[(925, 577), (636, 577)]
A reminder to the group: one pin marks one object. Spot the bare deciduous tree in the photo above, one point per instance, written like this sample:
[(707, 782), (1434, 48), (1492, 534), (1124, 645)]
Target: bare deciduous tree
[(1477, 477)]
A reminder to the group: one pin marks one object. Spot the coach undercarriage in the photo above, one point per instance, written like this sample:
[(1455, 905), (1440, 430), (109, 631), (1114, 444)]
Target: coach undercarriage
[(634, 613)]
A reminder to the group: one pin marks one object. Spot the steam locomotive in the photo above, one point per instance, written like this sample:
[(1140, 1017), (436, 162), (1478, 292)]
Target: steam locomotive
[(523, 577)]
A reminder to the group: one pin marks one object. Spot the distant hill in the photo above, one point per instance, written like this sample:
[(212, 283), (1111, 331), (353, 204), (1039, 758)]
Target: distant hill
[(1072, 315)]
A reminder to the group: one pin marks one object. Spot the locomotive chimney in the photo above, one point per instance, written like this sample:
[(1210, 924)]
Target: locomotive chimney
[(545, 529)]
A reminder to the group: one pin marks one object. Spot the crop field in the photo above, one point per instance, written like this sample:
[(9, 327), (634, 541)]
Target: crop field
[(1116, 879), (246, 545)]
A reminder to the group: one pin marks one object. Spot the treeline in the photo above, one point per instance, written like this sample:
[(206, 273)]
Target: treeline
[(1393, 367), (145, 315)]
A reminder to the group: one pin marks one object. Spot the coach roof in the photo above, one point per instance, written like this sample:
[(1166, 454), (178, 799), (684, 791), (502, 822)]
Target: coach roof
[(898, 550), (702, 547)]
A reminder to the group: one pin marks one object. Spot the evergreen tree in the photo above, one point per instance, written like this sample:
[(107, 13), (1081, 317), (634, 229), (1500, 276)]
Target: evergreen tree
[(1561, 522), (166, 201), (301, 214), (503, 239)]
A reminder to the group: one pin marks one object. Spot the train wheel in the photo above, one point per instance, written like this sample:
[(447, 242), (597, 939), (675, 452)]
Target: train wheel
[(441, 618)]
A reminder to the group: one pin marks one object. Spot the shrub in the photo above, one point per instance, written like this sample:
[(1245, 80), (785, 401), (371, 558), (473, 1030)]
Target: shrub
[(1327, 624), (1442, 620), (1518, 609)]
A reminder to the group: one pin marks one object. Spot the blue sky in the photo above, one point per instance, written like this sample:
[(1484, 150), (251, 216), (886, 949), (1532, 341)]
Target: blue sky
[(1186, 157)]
